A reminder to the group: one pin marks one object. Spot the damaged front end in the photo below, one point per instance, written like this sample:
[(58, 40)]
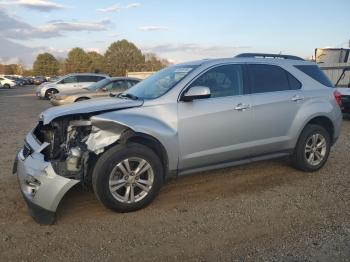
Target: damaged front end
[(55, 157)]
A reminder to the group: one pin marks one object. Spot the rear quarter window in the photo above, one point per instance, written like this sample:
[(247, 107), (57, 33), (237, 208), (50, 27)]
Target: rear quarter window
[(315, 73)]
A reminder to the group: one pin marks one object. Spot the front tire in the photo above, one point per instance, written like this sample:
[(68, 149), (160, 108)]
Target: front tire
[(312, 149), (7, 86), (50, 92), (127, 177)]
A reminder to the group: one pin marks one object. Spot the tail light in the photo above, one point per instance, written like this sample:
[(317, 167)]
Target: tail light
[(337, 96)]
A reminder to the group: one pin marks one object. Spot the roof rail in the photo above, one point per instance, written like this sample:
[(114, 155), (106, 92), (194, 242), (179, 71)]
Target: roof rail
[(262, 55)]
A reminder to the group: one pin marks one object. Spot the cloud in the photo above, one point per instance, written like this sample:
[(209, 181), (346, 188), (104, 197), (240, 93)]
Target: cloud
[(11, 52), (193, 51), (13, 28), (38, 5), (153, 28), (134, 5), (61, 26), (118, 7), (113, 8)]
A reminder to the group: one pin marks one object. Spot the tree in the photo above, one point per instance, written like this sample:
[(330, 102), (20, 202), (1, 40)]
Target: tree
[(77, 61), (153, 63), (62, 66), (45, 65), (123, 56), (96, 62)]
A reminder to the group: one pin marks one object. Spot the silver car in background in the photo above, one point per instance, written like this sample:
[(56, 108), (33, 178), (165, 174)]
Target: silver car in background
[(68, 83), (186, 118), (107, 87)]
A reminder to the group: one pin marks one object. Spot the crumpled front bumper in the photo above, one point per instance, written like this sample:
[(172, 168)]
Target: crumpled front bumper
[(41, 187)]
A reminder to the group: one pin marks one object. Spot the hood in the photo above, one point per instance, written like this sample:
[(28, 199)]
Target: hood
[(89, 106)]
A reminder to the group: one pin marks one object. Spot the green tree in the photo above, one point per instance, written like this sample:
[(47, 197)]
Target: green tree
[(123, 56), (77, 61), (46, 65), (96, 62)]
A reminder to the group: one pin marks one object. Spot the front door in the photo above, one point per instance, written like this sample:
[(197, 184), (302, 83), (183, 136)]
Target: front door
[(218, 129)]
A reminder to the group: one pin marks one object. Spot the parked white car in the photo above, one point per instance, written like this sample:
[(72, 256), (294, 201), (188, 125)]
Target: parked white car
[(68, 83), (6, 82)]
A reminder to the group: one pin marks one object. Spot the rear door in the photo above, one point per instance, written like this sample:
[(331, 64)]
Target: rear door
[(218, 129), (276, 99)]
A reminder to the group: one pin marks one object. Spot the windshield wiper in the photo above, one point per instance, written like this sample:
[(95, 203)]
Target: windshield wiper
[(127, 95)]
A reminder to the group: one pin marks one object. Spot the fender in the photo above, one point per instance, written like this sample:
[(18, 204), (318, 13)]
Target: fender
[(109, 127), (310, 110)]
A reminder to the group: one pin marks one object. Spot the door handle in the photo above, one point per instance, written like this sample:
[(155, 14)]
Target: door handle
[(240, 107), (297, 98)]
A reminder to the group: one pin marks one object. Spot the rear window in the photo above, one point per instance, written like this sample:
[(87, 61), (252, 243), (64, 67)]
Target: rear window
[(315, 72), (271, 78)]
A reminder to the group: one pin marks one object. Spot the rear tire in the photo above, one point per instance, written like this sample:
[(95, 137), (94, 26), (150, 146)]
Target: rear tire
[(7, 86), (312, 149), (131, 190)]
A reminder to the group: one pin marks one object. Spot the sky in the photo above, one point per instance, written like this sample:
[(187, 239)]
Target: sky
[(176, 30)]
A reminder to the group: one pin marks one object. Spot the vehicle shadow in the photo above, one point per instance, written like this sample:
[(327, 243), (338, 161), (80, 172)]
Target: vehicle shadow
[(190, 190)]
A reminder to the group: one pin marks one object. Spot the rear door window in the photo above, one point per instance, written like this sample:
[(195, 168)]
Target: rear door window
[(86, 78), (131, 83), (316, 73), (271, 78)]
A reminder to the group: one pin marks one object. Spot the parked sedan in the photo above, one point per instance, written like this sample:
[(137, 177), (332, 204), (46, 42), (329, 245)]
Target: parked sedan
[(114, 86)]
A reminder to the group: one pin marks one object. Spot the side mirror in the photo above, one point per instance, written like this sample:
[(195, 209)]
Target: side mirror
[(196, 92), (104, 89)]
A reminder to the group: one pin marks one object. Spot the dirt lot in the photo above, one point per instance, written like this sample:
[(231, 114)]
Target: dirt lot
[(261, 211)]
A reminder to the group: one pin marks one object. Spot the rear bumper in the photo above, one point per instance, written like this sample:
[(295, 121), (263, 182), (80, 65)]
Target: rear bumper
[(41, 187)]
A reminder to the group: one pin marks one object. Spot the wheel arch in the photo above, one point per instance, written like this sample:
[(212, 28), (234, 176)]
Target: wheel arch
[(321, 120), (81, 98), (147, 140)]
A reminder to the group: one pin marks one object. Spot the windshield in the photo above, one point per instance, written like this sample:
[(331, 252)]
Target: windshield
[(159, 83), (98, 85)]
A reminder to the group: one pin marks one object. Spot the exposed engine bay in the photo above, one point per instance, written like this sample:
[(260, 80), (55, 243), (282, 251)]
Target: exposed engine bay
[(67, 150)]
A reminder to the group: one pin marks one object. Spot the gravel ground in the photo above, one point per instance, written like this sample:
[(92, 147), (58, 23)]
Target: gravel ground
[(262, 211)]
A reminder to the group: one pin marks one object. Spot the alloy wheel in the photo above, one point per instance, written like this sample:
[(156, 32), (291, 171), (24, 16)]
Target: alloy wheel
[(131, 180), (315, 149)]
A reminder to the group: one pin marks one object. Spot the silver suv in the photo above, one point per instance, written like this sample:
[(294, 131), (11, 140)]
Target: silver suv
[(186, 118)]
